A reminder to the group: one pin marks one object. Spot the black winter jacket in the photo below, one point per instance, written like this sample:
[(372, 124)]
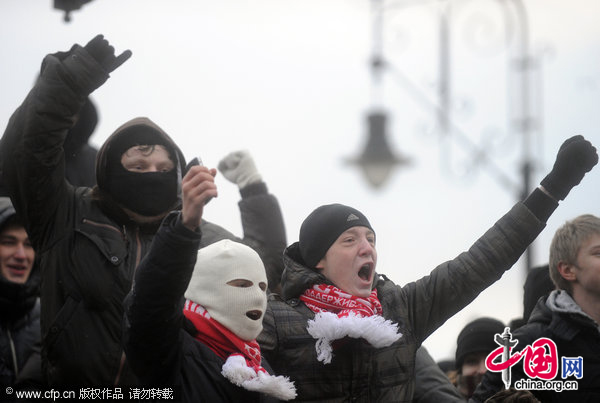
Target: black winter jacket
[(20, 362), (159, 340), (88, 247)]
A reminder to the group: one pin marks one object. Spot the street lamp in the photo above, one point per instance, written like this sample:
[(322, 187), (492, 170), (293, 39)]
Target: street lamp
[(377, 160), (69, 5)]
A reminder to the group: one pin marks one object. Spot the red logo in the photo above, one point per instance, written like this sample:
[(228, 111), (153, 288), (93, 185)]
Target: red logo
[(540, 359)]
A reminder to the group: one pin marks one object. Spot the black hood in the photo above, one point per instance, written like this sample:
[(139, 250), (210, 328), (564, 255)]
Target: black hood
[(106, 153), (102, 159)]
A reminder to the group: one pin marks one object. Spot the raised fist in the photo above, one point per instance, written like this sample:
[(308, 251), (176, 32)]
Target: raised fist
[(238, 167), (575, 158)]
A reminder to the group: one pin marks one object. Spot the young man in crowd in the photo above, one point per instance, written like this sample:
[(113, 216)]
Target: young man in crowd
[(20, 363), (342, 332), (569, 318)]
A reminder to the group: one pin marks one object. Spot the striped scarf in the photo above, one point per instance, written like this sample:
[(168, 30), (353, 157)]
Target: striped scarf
[(339, 314), (328, 298), (242, 358)]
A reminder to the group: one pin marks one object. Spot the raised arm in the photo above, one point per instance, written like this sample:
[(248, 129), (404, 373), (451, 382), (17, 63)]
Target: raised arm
[(454, 284), (31, 149), (154, 307), (262, 220)]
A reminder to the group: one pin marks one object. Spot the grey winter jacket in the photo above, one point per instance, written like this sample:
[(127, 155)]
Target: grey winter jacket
[(360, 372), (88, 247), (432, 385)]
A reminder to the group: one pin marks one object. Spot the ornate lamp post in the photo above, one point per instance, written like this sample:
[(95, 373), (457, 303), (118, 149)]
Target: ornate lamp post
[(379, 160)]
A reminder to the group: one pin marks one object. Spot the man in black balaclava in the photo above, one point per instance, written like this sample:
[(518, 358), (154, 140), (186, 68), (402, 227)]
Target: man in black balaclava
[(91, 240), (138, 171)]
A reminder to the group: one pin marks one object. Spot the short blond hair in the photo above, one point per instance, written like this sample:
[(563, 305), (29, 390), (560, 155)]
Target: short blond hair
[(566, 243)]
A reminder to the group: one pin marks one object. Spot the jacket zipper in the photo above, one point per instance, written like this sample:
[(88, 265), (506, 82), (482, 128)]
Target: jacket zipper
[(13, 350), (138, 258), (123, 234)]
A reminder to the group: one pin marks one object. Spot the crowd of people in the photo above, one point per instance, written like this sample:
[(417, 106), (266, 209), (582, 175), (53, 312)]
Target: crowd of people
[(117, 280)]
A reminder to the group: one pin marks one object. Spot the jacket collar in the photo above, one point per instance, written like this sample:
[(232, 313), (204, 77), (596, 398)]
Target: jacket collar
[(561, 315)]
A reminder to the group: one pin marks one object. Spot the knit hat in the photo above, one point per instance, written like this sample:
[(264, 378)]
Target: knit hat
[(323, 226), (537, 285), (218, 264), (477, 337)]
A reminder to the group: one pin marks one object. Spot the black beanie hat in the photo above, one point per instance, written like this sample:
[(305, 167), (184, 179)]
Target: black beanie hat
[(477, 337), (537, 285), (323, 226)]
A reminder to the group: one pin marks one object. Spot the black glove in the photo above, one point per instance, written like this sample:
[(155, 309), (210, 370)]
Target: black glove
[(104, 53), (575, 157)]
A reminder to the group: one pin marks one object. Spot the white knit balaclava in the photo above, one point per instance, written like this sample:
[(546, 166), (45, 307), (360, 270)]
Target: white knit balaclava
[(218, 264)]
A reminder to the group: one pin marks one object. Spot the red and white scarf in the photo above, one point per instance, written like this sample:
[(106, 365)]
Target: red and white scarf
[(339, 315), (242, 358)]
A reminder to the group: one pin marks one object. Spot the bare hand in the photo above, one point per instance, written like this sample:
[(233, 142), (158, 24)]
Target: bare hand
[(198, 186)]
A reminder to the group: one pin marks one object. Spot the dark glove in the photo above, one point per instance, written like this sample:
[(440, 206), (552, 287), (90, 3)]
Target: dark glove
[(575, 157), (104, 53)]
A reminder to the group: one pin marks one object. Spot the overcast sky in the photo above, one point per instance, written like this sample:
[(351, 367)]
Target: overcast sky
[(289, 81)]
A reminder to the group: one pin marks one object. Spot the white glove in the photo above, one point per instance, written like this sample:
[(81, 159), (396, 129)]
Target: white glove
[(238, 167)]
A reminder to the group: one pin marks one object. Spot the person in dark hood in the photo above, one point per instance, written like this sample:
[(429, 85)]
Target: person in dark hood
[(80, 155), (20, 363), (91, 240)]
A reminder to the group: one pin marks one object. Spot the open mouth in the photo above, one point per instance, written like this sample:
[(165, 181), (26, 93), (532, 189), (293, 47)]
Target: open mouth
[(365, 271), (17, 269), (254, 315)]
